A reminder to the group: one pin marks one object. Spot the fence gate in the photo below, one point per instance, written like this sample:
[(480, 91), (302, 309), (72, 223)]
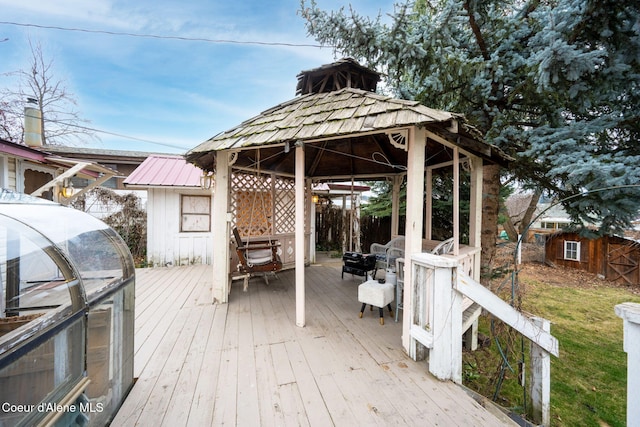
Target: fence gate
[(623, 263)]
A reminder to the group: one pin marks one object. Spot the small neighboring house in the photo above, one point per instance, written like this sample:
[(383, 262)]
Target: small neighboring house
[(552, 217), (178, 210), (615, 258), (122, 162), (548, 218), (40, 173)]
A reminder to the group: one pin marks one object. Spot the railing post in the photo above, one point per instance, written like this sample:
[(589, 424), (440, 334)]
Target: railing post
[(445, 358), (630, 313), (540, 388)]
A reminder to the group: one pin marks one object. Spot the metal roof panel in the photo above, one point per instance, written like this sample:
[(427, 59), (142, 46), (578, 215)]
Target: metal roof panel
[(165, 170)]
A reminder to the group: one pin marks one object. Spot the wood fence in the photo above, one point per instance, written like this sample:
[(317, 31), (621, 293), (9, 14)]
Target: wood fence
[(332, 226)]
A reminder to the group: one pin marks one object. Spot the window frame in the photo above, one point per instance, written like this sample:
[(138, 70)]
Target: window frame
[(569, 251), (192, 221)]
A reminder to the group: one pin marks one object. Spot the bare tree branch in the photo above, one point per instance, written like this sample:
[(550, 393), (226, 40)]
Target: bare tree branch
[(61, 122)]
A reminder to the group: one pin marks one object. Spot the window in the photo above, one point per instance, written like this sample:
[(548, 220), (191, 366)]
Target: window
[(113, 181), (195, 213), (572, 250)]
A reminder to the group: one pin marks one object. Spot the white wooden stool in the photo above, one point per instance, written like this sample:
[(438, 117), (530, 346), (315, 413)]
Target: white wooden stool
[(376, 294)]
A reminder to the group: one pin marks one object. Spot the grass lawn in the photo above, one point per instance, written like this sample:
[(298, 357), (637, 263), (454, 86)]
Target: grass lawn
[(588, 381)]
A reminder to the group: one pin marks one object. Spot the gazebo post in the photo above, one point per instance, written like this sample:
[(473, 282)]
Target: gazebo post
[(395, 205), (299, 239), (417, 142), (475, 210), (220, 217), (428, 190), (311, 208), (456, 201)]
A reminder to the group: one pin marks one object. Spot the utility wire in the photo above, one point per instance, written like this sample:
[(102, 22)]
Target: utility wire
[(106, 132), (157, 36)]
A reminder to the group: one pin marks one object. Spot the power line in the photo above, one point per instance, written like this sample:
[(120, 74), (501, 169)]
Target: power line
[(106, 132), (157, 36), (134, 138)]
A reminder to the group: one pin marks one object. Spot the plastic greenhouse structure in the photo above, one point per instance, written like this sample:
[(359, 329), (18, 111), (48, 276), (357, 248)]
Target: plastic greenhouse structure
[(66, 315)]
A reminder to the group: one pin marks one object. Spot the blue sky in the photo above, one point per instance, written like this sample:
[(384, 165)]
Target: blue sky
[(174, 92)]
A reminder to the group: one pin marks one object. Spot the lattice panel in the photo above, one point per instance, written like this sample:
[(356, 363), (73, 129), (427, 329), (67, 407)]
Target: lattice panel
[(252, 204), (263, 205), (285, 205)]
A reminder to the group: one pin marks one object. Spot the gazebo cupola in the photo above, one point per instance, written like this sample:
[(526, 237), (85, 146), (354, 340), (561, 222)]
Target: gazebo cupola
[(345, 73)]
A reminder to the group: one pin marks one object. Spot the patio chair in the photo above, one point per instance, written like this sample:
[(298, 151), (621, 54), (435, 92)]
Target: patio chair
[(387, 253), (257, 258), (443, 247)]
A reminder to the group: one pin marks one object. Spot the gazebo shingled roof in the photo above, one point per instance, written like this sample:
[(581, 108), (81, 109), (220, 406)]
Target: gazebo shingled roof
[(352, 122)]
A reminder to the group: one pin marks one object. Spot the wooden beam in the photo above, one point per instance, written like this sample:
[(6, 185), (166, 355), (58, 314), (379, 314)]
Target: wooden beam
[(540, 387), (221, 236), (316, 159), (475, 210), (67, 174), (395, 205), (417, 142), (447, 143), (92, 185), (629, 312), (428, 217), (456, 201), (299, 239), (509, 315)]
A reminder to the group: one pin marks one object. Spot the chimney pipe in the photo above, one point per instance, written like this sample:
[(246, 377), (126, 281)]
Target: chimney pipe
[(32, 124)]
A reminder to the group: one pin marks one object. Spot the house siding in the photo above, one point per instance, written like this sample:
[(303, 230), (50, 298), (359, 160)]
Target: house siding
[(166, 244), (12, 183)]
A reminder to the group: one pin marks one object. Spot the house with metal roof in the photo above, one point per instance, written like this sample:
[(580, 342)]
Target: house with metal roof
[(178, 210)]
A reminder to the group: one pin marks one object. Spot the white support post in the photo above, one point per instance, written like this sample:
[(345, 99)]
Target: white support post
[(540, 387), (456, 201), (312, 223), (445, 358), (395, 205), (475, 228), (475, 211), (357, 223), (428, 217), (417, 142), (345, 248), (630, 313), (299, 239), (221, 282)]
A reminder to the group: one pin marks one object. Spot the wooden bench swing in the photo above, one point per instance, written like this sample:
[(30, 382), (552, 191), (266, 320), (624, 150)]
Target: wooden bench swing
[(257, 258)]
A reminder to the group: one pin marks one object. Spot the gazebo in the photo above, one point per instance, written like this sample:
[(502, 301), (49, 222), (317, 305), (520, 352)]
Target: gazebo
[(338, 128)]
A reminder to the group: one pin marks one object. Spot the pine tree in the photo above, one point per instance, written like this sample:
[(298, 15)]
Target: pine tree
[(554, 84)]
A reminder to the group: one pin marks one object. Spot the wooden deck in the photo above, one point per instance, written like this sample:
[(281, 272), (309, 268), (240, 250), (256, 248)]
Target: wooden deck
[(246, 363)]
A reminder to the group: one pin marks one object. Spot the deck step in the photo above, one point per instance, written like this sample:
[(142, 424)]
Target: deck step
[(470, 315)]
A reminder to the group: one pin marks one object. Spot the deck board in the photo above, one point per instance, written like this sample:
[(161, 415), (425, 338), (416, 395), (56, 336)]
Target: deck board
[(201, 410), (245, 363)]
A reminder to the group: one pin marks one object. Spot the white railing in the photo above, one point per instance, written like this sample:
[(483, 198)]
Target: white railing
[(439, 287), (630, 313)]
